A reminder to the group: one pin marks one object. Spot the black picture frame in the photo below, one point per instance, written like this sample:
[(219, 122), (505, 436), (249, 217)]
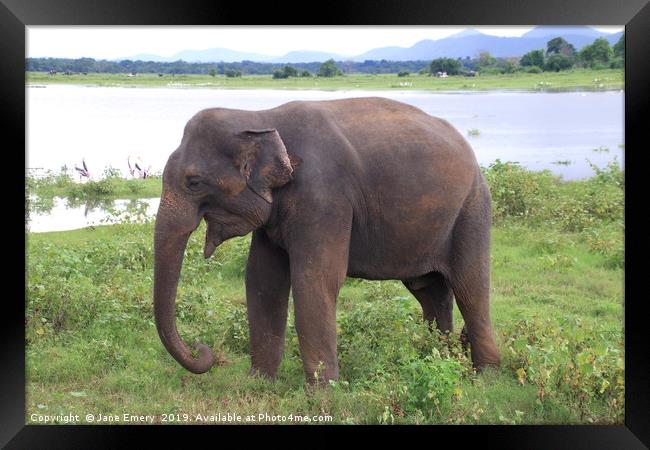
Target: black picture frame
[(15, 15)]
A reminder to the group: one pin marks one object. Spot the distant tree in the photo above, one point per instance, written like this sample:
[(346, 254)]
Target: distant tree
[(212, 72), (231, 73), (619, 47), (279, 74), (305, 74), (329, 69), (285, 72), (557, 62), (506, 65), (618, 50), (533, 69), (403, 73), (533, 58), (559, 45), (486, 60), (290, 71), (597, 54), (449, 65)]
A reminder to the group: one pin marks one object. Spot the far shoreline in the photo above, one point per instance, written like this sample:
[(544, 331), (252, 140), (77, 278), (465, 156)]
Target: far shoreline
[(578, 80)]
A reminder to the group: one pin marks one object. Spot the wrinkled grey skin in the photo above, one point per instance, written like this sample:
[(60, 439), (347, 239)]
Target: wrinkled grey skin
[(368, 188)]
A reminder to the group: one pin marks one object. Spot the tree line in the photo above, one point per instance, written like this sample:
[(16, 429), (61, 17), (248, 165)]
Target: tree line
[(558, 55), (90, 65)]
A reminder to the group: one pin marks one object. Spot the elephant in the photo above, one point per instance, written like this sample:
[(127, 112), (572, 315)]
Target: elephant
[(367, 188)]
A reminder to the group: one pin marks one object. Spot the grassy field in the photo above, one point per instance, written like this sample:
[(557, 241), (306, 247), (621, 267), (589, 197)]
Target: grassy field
[(557, 308), (60, 184), (585, 79)]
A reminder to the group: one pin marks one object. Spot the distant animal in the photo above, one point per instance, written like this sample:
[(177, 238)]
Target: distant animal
[(136, 171), (84, 173), (367, 187)]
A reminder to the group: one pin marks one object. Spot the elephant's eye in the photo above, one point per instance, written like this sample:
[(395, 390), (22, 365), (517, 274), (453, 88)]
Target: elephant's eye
[(193, 183)]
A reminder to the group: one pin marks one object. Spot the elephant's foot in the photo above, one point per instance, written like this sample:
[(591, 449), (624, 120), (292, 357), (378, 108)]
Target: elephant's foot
[(258, 372)]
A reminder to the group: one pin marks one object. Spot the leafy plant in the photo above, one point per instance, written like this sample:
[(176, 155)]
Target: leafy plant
[(430, 384)]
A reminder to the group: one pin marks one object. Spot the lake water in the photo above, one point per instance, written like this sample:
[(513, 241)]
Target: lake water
[(107, 125), (63, 214)]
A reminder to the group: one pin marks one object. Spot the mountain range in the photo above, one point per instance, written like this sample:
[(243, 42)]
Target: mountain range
[(466, 43)]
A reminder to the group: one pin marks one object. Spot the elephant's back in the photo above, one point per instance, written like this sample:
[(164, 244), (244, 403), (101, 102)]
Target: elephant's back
[(377, 141), (407, 175), (378, 127)]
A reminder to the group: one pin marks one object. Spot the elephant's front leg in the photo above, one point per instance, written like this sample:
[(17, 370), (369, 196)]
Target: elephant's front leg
[(318, 269), (267, 296)]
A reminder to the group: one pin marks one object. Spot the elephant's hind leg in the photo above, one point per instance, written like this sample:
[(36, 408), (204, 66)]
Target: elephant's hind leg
[(470, 278), (267, 295), (436, 298)]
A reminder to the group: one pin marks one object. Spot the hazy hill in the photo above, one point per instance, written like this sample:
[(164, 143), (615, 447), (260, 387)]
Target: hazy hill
[(470, 42), (466, 43)]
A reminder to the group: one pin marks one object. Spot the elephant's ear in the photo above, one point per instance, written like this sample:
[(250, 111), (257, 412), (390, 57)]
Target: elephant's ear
[(264, 161)]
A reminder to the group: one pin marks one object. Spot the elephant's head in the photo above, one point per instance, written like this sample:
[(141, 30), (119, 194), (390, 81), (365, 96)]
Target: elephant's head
[(223, 172)]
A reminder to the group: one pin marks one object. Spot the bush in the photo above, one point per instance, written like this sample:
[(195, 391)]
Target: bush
[(558, 62), (608, 242), (235, 337), (533, 69), (571, 364), (589, 206), (379, 337), (376, 338), (517, 192), (134, 186), (99, 188), (429, 384), (278, 74), (231, 73), (539, 198)]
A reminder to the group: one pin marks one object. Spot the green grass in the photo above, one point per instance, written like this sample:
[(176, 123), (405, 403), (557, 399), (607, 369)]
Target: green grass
[(577, 79), (557, 309), (60, 184)]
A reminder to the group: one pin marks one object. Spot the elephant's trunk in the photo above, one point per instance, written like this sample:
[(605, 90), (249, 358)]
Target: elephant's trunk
[(169, 248)]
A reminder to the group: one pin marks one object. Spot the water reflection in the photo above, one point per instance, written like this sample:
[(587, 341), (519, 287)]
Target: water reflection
[(58, 214)]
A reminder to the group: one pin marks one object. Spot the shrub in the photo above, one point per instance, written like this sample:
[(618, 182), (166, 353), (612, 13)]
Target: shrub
[(608, 242), (99, 188), (558, 61), (571, 363), (517, 192), (134, 186), (279, 74), (379, 337), (231, 73), (593, 202), (235, 336), (533, 69), (429, 384)]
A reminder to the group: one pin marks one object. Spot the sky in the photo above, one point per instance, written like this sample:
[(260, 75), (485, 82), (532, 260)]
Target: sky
[(121, 41)]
